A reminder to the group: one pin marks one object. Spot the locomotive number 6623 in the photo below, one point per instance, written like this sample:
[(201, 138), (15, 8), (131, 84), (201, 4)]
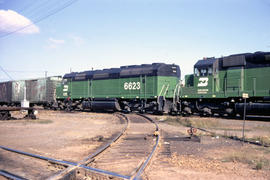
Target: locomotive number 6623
[(132, 85)]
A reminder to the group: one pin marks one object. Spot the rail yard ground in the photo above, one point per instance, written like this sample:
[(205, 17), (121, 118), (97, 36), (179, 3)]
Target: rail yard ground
[(73, 136)]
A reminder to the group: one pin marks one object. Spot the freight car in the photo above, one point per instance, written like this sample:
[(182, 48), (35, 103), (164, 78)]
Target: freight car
[(218, 84), (147, 87), (11, 92), (40, 91)]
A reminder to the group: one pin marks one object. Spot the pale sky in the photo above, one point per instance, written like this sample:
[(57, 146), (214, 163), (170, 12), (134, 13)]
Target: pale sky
[(111, 33)]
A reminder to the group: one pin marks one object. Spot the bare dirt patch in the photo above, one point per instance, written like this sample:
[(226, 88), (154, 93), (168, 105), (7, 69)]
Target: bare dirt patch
[(59, 135), (73, 136), (214, 157)]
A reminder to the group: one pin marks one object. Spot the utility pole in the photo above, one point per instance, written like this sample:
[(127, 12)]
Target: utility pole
[(245, 96)]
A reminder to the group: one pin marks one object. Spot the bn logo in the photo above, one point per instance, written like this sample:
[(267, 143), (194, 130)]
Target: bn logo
[(203, 81)]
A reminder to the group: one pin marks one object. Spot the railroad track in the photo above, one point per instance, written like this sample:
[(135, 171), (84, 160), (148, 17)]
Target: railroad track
[(101, 164), (230, 137), (134, 149)]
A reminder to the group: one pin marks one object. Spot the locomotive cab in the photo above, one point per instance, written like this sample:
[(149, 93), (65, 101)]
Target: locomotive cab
[(204, 82), (205, 76)]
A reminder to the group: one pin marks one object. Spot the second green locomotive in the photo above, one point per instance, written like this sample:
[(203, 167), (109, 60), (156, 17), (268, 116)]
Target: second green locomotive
[(219, 85)]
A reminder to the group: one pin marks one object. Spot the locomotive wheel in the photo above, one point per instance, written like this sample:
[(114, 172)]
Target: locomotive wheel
[(4, 115), (187, 111), (142, 111)]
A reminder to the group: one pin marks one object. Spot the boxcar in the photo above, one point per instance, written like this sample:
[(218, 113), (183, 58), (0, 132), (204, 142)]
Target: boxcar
[(12, 92), (42, 91)]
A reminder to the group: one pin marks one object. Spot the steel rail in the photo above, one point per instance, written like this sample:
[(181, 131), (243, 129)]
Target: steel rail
[(109, 173), (56, 161), (99, 151), (233, 137), (10, 175), (138, 171), (141, 168), (72, 164), (64, 163), (105, 172)]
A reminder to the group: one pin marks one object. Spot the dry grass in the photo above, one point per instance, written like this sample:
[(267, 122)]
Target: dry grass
[(264, 140), (254, 160), (29, 121), (38, 121), (197, 122), (193, 162), (263, 128)]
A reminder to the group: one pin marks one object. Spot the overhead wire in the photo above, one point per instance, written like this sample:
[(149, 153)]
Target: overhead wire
[(27, 6), (41, 18), (42, 8), (33, 10), (6, 73), (24, 71)]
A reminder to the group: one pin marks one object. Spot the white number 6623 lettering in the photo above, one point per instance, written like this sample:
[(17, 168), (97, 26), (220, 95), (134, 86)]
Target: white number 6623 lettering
[(132, 85)]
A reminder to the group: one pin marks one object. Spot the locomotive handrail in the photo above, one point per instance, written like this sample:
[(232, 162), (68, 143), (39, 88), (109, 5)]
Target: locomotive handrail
[(166, 90), (161, 90), (176, 94)]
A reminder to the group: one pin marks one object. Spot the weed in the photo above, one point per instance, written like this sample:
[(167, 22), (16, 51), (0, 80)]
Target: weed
[(37, 121), (185, 122), (44, 121), (259, 165), (231, 129), (254, 160), (205, 123), (173, 120), (200, 123), (238, 157), (265, 140), (263, 127)]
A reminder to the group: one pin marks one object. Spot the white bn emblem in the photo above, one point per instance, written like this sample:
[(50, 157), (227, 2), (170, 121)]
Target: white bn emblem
[(203, 82)]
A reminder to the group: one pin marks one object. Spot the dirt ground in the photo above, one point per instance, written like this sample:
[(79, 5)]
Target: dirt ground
[(59, 135), (214, 157), (73, 136)]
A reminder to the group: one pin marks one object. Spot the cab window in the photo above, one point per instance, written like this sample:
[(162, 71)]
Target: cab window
[(196, 72), (207, 71), (210, 71), (64, 82), (203, 72)]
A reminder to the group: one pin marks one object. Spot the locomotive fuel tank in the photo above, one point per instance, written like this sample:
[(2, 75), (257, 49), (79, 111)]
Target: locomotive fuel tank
[(102, 104), (253, 108)]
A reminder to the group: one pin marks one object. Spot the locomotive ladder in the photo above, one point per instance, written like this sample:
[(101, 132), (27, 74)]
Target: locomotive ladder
[(176, 93), (164, 94)]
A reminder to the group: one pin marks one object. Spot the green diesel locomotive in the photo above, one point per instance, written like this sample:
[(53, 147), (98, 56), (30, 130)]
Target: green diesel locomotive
[(147, 87), (219, 85)]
